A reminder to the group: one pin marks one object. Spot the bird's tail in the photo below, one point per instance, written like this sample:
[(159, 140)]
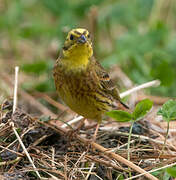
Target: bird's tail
[(119, 105), (123, 106)]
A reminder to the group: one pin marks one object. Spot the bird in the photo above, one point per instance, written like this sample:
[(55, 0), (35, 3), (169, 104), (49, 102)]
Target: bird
[(80, 80)]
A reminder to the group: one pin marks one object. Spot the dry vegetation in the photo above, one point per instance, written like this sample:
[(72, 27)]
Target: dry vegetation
[(57, 155)]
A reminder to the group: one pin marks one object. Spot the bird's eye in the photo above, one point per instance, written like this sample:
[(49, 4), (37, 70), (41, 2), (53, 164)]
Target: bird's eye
[(71, 37)]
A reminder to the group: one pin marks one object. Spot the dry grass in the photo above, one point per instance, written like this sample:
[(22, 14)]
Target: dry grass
[(56, 155)]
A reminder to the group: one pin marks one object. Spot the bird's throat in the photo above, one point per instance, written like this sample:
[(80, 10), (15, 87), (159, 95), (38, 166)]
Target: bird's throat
[(78, 62), (77, 58)]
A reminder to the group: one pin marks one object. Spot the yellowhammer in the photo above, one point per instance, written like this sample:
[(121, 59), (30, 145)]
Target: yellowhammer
[(81, 82)]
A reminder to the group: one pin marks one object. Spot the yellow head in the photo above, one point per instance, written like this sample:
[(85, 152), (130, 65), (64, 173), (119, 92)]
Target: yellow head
[(77, 48)]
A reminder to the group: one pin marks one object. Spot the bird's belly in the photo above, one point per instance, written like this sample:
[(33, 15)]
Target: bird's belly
[(81, 104), (81, 95), (83, 101)]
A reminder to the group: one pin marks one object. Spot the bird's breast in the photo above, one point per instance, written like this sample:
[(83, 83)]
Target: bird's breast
[(79, 91)]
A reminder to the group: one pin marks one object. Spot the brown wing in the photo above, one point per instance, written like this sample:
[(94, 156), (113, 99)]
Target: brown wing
[(106, 83)]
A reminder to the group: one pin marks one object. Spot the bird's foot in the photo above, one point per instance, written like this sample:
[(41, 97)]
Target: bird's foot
[(71, 133), (95, 133)]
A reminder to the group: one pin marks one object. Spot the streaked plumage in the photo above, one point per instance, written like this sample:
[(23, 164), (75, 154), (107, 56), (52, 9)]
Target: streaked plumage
[(81, 82)]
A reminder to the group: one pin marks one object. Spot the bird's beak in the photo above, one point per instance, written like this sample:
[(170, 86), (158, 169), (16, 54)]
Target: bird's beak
[(82, 39)]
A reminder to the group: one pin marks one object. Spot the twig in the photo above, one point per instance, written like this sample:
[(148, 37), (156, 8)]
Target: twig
[(107, 163), (6, 148), (10, 150), (169, 160), (53, 102), (53, 154), (169, 165), (12, 123), (140, 137), (120, 159), (46, 171), (30, 99), (15, 89), (102, 149), (65, 167), (90, 170), (25, 150), (122, 146), (142, 86), (10, 162), (52, 176), (80, 158), (19, 158), (72, 121)]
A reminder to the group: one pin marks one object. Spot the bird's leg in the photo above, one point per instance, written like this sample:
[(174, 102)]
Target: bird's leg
[(90, 126), (94, 137), (80, 125), (73, 131), (95, 133)]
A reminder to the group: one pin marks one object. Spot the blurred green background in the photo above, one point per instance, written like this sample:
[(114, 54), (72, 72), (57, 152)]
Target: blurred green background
[(137, 35)]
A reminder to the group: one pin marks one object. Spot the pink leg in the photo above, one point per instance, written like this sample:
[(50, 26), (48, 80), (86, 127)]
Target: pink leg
[(95, 133)]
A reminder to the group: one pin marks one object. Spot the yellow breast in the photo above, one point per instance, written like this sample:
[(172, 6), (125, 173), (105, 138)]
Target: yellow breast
[(78, 91)]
